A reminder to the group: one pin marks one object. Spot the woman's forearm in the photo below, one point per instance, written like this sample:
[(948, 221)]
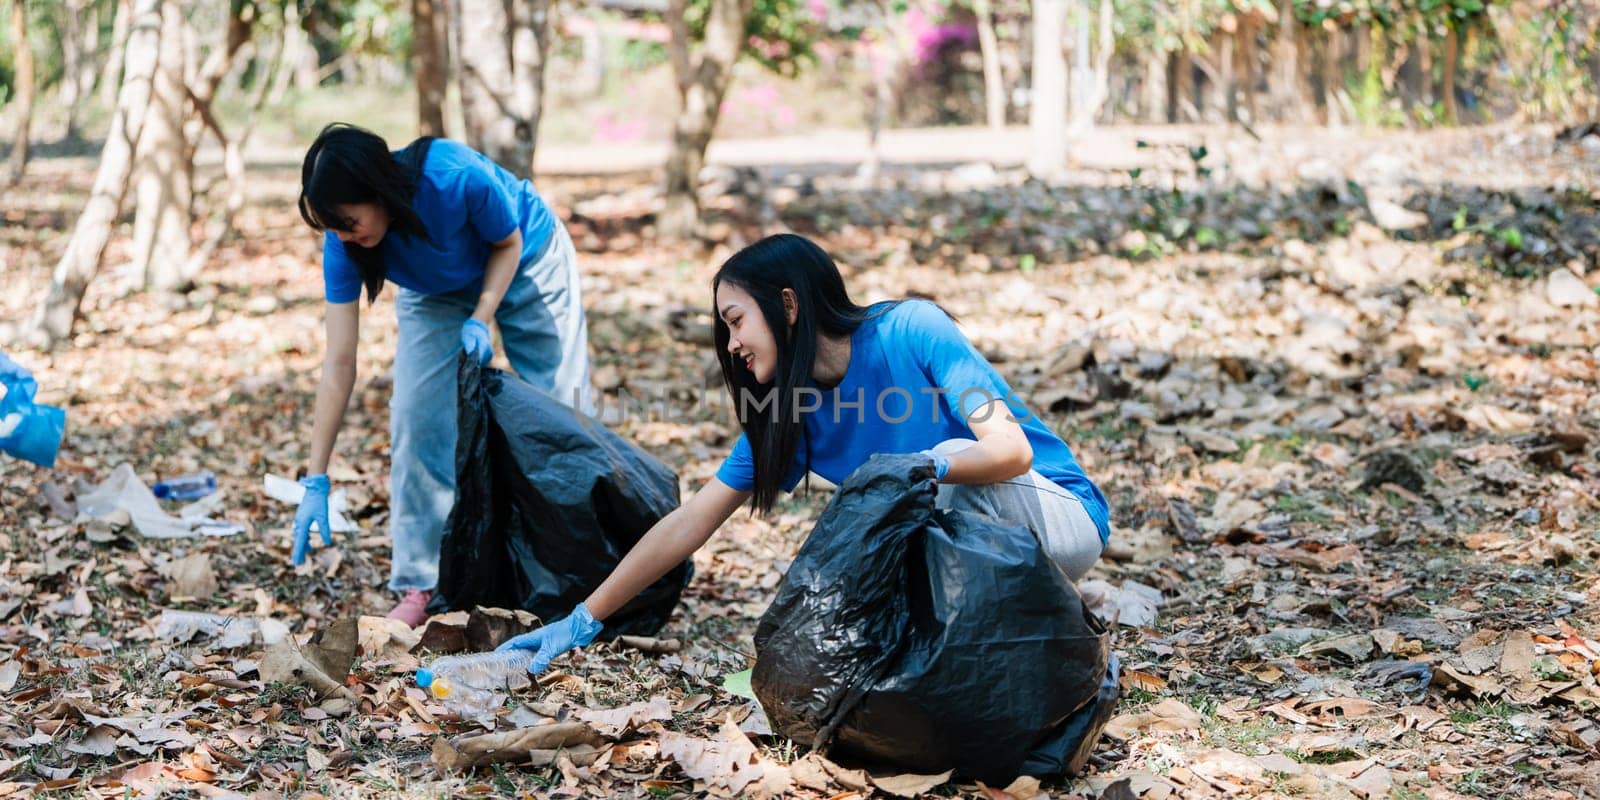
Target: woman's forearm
[(666, 545), (497, 275), (333, 396)]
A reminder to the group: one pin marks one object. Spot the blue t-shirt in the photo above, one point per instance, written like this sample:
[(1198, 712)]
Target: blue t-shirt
[(912, 382), (467, 202)]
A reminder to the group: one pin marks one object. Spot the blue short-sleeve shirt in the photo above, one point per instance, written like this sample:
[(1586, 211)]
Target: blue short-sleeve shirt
[(467, 202), (913, 381)]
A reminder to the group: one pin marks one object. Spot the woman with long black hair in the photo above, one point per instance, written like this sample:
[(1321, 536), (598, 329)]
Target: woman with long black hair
[(820, 384), (466, 242)]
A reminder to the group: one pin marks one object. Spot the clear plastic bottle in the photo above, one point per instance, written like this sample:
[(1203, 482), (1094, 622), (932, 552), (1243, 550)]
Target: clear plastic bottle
[(476, 683), (186, 487)]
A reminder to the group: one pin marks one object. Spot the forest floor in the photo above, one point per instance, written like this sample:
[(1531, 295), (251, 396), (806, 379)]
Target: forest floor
[(1335, 451)]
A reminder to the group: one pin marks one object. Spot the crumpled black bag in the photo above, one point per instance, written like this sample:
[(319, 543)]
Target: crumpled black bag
[(548, 501), (931, 640)]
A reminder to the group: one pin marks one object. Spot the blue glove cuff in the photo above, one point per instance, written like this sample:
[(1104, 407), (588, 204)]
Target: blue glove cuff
[(941, 463), (584, 626), (315, 482)]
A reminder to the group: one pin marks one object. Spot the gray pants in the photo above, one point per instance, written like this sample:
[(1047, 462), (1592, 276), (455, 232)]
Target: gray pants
[(1065, 530)]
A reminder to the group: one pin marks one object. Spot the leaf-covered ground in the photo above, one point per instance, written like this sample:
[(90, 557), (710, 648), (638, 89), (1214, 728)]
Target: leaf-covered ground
[(1357, 467)]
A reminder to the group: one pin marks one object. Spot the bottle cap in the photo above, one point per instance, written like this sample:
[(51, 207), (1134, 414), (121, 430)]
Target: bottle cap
[(424, 677)]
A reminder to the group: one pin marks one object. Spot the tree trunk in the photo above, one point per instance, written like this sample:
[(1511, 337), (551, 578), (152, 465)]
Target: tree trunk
[(1447, 81), (1361, 46), (25, 88), (994, 90), (72, 23), (164, 176), (1248, 63), (1331, 78), (1154, 88), (503, 49), (1284, 88), (427, 42), (1047, 118), (53, 321), (701, 86), (1091, 85), (1424, 71), (883, 58), (111, 78), (1180, 86), (1225, 67)]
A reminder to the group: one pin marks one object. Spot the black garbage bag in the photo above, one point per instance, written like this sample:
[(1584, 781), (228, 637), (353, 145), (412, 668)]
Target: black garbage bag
[(931, 640), (548, 502)]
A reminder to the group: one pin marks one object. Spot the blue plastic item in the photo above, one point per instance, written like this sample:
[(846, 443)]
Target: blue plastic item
[(187, 487), (28, 431)]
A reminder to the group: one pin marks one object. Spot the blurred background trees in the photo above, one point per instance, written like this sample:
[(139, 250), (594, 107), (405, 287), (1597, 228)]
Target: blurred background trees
[(506, 75)]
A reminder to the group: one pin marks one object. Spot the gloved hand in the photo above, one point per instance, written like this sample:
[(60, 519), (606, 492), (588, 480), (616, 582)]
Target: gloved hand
[(475, 340), (313, 508), (573, 630), (941, 463)]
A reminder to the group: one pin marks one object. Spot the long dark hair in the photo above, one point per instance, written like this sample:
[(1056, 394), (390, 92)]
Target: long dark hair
[(347, 164), (765, 269)]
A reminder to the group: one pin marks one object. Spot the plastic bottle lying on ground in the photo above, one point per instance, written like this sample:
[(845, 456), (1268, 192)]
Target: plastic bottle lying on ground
[(186, 487), (475, 684)]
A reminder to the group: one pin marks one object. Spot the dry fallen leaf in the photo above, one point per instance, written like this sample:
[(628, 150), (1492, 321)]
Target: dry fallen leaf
[(613, 722), (909, 785), (190, 577), (729, 761), (1168, 716), (385, 638)]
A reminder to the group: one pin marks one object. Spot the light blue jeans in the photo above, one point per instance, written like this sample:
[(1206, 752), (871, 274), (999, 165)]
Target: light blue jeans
[(546, 338), (1066, 532)]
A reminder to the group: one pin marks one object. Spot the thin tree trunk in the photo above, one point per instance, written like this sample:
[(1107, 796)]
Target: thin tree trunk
[(1047, 119), (1154, 89), (1285, 88), (883, 58), (701, 87), (72, 23), (1331, 79), (1248, 62), (53, 321), (1180, 86), (427, 42), (111, 78), (1424, 85), (1090, 82), (502, 52), (1079, 82), (1225, 66), (994, 90), (164, 175), (1447, 82), (164, 186), (24, 82)]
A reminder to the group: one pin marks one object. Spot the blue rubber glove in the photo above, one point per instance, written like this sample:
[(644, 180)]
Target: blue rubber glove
[(941, 463), (313, 508), (475, 340), (573, 630)]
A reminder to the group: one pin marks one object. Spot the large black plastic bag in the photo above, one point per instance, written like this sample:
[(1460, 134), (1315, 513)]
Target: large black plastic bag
[(548, 502), (930, 640)]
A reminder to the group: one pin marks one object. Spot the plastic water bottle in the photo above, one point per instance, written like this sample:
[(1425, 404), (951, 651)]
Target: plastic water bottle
[(476, 683), (187, 487)]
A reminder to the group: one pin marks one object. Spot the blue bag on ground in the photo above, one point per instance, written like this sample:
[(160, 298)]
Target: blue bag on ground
[(28, 431), (928, 640), (548, 502)]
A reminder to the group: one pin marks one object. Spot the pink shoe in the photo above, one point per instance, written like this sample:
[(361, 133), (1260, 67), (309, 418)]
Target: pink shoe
[(413, 608)]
